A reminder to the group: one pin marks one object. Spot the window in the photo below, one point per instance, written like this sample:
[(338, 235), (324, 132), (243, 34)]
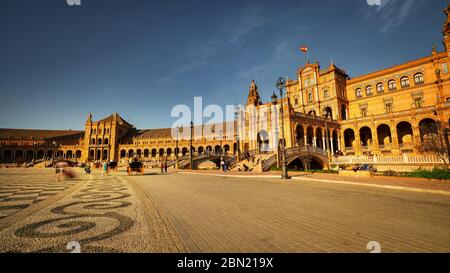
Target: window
[(418, 102), (418, 78), (358, 93), (310, 97), (296, 101), (326, 94), (380, 87), (364, 112), (444, 68), (392, 85), (389, 108), (448, 99), (369, 91), (404, 82)]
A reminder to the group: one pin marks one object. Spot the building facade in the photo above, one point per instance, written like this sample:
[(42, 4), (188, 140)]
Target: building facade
[(383, 113)]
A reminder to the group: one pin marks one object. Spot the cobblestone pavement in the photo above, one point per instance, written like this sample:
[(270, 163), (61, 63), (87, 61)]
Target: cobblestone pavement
[(19, 190), (228, 214), (193, 213), (103, 215)]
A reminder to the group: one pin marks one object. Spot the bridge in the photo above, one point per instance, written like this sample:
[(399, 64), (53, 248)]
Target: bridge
[(184, 162), (309, 157)]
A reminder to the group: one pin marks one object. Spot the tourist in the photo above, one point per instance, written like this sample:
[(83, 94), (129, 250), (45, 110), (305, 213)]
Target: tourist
[(105, 169), (165, 166)]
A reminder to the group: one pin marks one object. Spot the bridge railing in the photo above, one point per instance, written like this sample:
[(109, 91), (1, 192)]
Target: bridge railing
[(400, 159)]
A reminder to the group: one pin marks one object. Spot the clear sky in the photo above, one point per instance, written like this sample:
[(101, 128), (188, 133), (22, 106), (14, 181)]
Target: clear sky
[(140, 57)]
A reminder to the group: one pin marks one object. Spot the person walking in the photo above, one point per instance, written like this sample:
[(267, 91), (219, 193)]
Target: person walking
[(105, 169), (162, 167), (165, 166)]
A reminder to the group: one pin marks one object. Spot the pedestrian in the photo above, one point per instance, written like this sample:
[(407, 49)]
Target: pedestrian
[(105, 169), (222, 164), (162, 167), (165, 167), (87, 169)]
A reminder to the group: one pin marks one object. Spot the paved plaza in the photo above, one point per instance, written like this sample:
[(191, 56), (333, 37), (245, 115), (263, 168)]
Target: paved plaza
[(197, 213)]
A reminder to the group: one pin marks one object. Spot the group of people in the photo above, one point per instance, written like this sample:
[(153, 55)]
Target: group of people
[(164, 166), (224, 165)]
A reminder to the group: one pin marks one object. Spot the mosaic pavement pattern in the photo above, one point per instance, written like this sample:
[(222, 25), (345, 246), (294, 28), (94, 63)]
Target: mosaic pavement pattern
[(102, 215), (19, 190)]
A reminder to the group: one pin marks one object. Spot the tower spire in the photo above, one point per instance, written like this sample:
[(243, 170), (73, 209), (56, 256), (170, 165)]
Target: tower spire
[(253, 95)]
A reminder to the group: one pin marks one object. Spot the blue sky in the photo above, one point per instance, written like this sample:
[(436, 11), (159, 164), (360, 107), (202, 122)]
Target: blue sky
[(140, 57)]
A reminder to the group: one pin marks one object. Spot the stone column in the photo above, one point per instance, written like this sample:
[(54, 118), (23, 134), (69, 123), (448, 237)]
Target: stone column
[(332, 145), (305, 135)]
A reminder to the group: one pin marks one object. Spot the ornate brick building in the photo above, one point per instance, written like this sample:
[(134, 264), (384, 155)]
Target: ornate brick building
[(382, 113)]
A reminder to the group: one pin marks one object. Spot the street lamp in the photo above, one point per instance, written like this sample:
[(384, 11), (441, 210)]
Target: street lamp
[(327, 144), (237, 116), (177, 149), (281, 84), (191, 159)]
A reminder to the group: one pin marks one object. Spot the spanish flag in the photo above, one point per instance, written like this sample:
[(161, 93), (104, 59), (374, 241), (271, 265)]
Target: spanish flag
[(304, 49)]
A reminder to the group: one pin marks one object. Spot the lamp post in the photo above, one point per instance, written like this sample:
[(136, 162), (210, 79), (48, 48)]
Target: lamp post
[(191, 159), (177, 150), (237, 116), (275, 126), (327, 143), (281, 83)]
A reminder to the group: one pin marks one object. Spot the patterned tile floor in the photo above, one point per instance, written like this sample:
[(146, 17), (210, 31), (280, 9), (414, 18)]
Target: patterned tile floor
[(19, 190)]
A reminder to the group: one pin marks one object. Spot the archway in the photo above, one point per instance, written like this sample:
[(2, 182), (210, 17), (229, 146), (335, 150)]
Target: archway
[(40, 155), (296, 165), (217, 150), (315, 164), (384, 135), (146, 153), (428, 130), (200, 150), (226, 149), (123, 154), (99, 141), (91, 155), (161, 152), (300, 135), (99, 155), (78, 154), (169, 152), (130, 153), (105, 154), (69, 154), (154, 152), (319, 138), (263, 141), (349, 138), (139, 153), (30, 155), (184, 151), (20, 155), (7, 156), (405, 133), (366, 136), (310, 136)]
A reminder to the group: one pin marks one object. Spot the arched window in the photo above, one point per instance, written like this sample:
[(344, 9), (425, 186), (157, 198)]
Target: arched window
[(418, 78), (310, 96), (326, 94), (369, 90), (404, 82), (380, 87), (358, 93), (392, 85)]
